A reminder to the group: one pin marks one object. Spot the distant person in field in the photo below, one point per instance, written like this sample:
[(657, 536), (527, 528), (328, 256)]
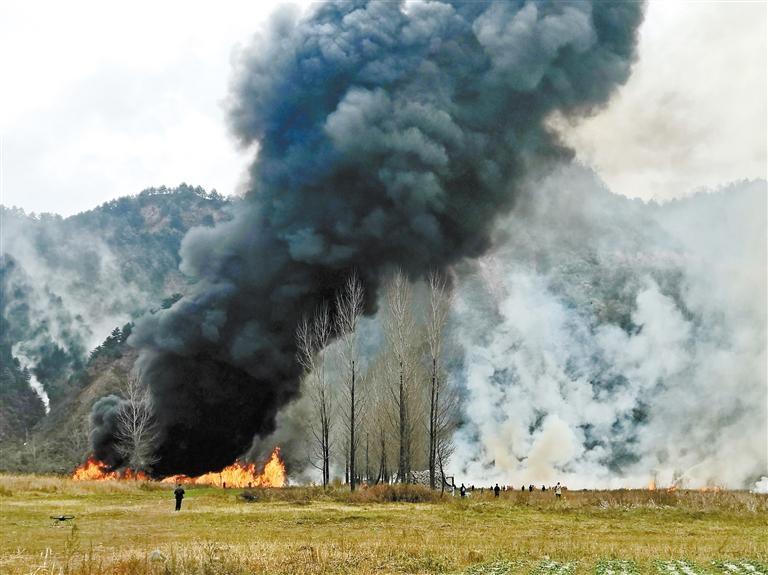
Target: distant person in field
[(558, 490), (463, 491), (530, 487), (178, 493), (496, 490)]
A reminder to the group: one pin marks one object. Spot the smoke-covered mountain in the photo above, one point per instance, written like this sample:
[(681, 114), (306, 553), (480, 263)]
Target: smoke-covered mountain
[(606, 341), (68, 282), (602, 340)]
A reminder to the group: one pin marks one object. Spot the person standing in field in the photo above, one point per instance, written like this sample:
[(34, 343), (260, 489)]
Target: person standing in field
[(558, 490), (179, 494), (463, 491), (496, 490)]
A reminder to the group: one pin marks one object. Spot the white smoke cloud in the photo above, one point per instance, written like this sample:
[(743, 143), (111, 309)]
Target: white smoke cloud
[(761, 486), (608, 341), (64, 293), (34, 383), (76, 269)]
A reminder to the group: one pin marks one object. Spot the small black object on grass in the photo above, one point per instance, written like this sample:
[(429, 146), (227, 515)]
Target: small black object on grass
[(62, 518)]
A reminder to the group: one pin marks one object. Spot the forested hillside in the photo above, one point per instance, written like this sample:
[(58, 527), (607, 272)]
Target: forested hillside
[(67, 283)]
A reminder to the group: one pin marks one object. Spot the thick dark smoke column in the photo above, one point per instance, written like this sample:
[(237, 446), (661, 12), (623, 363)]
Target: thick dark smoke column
[(389, 134)]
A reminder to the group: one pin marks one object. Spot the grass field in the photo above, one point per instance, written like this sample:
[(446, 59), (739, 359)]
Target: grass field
[(131, 528)]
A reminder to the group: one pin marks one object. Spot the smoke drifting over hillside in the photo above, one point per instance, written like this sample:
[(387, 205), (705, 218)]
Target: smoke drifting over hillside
[(66, 283), (388, 135), (607, 342)]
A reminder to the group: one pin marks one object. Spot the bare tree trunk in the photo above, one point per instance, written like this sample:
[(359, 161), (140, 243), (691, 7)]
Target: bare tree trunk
[(383, 471), (326, 451), (439, 306), (432, 425), (349, 309), (401, 470), (352, 451), (346, 464), (311, 340), (367, 461), (399, 327), (445, 418)]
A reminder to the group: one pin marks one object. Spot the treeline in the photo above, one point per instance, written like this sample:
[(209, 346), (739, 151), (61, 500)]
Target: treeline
[(113, 344), (181, 192), (389, 413)]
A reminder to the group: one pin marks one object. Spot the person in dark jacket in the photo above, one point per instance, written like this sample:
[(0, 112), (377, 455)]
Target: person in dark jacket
[(179, 494), (463, 490), (496, 490)]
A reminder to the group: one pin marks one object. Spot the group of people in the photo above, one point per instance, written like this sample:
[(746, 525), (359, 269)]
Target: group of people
[(178, 493), (558, 489)]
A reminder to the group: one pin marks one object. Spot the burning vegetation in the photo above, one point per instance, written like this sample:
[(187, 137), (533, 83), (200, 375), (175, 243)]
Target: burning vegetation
[(235, 475), (240, 475), (95, 470)]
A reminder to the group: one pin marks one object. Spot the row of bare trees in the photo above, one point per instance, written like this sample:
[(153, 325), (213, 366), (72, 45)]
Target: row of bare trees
[(387, 412), (392, 404)]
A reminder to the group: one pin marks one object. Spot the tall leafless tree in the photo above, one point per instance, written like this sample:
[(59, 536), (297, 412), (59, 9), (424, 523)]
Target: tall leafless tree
[(312, 339), (78, 440), (440, 297), (399, 327), (378, 423), (446, 420), (137, 432), (349, 310)]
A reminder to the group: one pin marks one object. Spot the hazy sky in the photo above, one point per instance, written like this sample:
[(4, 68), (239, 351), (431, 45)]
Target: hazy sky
[(100, 100)]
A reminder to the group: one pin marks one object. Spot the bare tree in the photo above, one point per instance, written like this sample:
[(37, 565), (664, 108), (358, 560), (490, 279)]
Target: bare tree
[(446, 419), (312, 340), (399, 325), (78, 440), (137, 431), (349, 310), (440, 298), (378, 423)]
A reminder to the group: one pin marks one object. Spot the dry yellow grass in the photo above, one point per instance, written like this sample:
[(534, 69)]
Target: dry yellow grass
[(131, 528)]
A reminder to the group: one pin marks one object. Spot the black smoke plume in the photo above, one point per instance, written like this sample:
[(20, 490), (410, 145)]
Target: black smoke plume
[(389, 134)]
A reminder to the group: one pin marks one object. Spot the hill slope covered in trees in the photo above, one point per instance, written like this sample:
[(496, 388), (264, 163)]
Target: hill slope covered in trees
[(66, 284)]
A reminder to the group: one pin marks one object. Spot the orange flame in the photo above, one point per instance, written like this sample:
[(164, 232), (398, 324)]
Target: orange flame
[(235, 475), (240, 475), (95, 470)]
